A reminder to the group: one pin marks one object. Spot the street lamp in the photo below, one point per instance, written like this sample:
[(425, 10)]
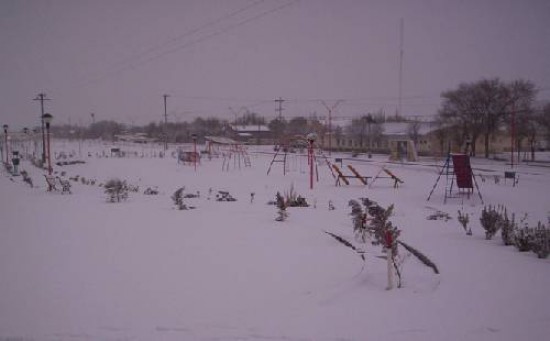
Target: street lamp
[(25, 143), (35, 133), (5, 126), (311, 137), (194, 137), (47, 120)]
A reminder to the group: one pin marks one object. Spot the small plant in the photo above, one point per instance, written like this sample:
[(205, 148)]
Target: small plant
[(26, 178), (116, 190), (464, 219), (383, 233), (359, 219), (293, 199), (224, 196), (490, 221), (439, 215), (281, 206), (178, 199), (151, 191), (540, 241), (507, 228)]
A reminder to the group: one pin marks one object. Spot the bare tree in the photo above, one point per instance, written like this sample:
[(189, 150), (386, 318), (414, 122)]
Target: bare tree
[(479, 109)]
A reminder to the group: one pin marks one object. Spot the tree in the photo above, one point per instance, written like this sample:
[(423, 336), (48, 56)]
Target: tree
[(277, 127), (297, 126), (413, 130), (479, 109), (544, 121), (249, 118)]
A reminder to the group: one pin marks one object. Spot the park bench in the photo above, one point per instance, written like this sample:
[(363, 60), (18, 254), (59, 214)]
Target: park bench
[(511, 175)]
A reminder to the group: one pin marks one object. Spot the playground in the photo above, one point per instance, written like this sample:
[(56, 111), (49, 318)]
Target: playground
[(76, 266)]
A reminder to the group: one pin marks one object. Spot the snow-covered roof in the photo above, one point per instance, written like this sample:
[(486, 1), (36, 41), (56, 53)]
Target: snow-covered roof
[(250, 128), (220, 140)]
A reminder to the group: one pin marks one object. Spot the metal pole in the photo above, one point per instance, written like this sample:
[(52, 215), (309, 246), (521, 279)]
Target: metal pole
[(513, 136), (49, 150), (165, 124), (310, 159), (42, 97), (329, 109), (6, 142)]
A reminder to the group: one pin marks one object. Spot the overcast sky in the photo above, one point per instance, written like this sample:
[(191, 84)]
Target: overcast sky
[(116, 58)]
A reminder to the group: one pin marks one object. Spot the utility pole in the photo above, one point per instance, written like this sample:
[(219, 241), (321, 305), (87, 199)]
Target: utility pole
[(330, 122), (42, 97), (279, 109), (400, 94), (165, 123), (513, 135)]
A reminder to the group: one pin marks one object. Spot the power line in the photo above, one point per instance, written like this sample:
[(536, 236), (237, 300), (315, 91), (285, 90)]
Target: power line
[(153, 48), (221, 31)]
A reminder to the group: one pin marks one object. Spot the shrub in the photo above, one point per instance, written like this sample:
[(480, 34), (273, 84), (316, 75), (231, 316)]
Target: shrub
[(464, 219), (116, 190), (490, 221), (507, 227), (540, 241)]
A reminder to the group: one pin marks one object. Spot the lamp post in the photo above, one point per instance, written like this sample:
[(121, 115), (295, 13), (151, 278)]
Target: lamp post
[(35, 133), (47, 120), (25, 143), (311, 137), (194, 137), (6, 141)]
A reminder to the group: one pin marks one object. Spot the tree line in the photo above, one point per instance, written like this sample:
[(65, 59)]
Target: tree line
[(478, 111), (470, 114)]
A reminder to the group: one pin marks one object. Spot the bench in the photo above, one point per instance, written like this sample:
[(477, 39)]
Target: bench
[(511, 175), (344, 178)]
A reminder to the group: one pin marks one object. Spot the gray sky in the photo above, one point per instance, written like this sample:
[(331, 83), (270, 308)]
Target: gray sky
[(117, 58)]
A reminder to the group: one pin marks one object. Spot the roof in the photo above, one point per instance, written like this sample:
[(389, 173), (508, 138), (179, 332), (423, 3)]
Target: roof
[(250, 128), (220, 140)]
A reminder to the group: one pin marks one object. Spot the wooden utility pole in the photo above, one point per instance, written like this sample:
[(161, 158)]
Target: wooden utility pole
[(330, 109), (165, 123), (42, 97)]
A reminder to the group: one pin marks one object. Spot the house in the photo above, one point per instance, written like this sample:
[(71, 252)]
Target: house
[(252, 134)]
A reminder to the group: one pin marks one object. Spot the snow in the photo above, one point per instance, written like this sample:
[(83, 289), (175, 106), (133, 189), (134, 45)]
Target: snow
[(76, 267)]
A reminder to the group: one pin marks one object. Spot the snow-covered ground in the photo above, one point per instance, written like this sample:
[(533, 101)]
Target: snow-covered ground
[(75, 267)]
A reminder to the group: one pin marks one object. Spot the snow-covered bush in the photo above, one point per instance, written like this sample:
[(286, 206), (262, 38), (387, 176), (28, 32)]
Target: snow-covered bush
[(293, 199), (116, 190), (224, 196), (375, 224), (507, 228), (540, 241), (178, 199), (282, 214), (490, 221), (151, 191), (358, 218)]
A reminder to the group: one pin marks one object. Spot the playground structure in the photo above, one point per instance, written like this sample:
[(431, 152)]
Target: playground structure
[(229, 150), (403, 150), (287, 144), (457, 169), (383, 173)]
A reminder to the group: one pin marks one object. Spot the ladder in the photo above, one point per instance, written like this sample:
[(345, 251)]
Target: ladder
[(280, 156)]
